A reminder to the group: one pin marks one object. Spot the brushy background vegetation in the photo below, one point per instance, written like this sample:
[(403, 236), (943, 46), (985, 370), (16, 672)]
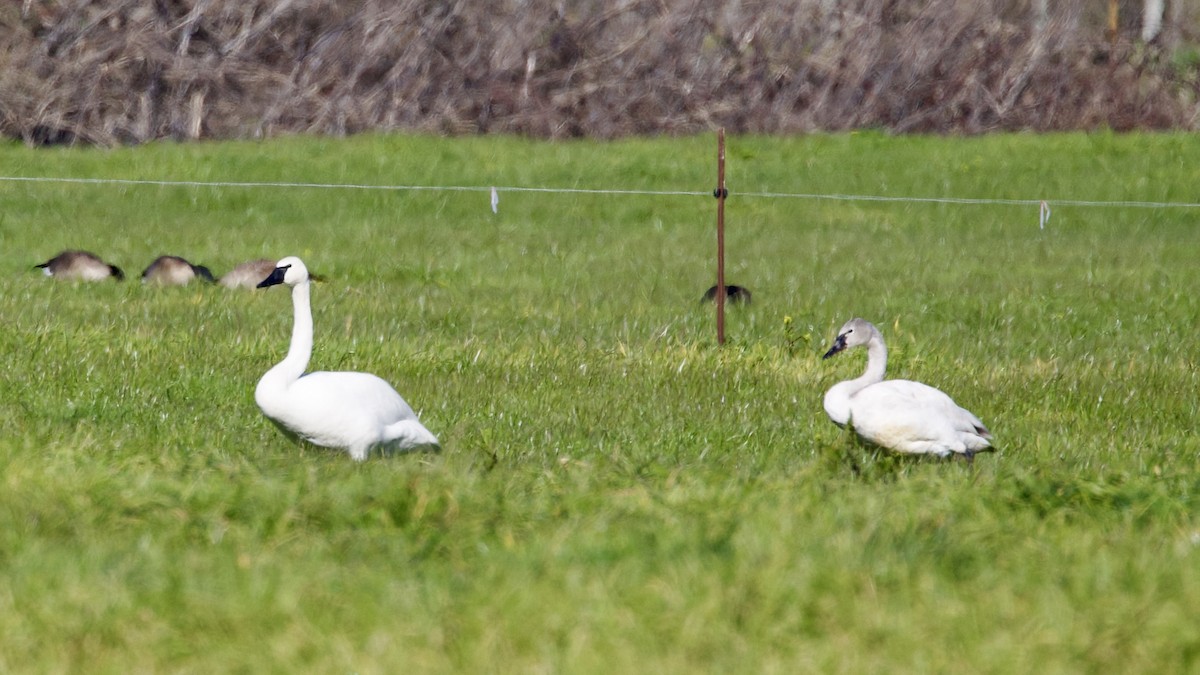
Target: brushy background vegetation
[(617, 494), (127, 71)]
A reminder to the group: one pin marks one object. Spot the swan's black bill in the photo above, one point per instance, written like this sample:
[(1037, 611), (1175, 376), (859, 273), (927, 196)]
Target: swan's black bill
[(275, 278), (838, 345)]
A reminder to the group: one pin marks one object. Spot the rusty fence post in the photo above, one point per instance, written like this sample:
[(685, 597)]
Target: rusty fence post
[(720, 193)]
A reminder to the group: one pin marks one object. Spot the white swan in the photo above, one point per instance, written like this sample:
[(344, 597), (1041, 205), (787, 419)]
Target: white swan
[(901, 415), (357, 412)]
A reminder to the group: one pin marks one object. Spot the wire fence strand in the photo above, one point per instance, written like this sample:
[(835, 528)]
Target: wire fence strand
[(605, 191)]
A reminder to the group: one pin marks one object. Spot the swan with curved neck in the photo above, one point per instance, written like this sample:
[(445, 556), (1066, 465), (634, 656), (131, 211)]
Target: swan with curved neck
[(901, 415), (357, 412)]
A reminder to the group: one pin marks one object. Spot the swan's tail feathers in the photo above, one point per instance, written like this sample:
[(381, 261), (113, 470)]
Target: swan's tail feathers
[(981, 443), (969, 453), (411, 436), (980, 431)]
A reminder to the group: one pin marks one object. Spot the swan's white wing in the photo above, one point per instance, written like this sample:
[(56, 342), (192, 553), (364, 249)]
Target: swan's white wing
[(971, 429), (359, 390), (915, 418), (342, 409)]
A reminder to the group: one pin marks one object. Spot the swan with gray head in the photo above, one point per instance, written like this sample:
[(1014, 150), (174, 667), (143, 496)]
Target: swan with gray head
[(900, 415), (353, 411)]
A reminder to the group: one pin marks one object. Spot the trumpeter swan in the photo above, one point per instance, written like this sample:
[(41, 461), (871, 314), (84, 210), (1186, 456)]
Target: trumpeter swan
[(248, 274), (80, 266), (357, 412), (901, 415), (171, 270)]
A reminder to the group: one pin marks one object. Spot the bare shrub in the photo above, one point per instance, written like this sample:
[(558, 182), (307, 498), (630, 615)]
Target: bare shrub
[(128, 71)]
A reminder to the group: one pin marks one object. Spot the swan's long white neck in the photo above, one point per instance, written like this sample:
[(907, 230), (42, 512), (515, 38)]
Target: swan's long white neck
[(876, 357), (271, 392), (837, 399), (300, 351)]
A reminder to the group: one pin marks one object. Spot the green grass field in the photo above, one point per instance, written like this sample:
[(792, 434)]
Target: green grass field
[(617, 493)]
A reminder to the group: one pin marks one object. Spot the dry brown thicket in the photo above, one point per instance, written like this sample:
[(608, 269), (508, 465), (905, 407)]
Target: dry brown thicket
[(127, 71)]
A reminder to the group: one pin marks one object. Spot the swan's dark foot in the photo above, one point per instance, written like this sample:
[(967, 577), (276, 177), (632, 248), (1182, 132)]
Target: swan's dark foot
[(847, 455), (854, 467)]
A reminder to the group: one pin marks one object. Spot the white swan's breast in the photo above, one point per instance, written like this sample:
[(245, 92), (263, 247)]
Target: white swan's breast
[(837, 403)]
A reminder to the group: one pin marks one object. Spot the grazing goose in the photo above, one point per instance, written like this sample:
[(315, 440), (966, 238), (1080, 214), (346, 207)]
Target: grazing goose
[(734, 294), (248, 274), (171, 270), (80, 266), (353, 411), (901, 415)]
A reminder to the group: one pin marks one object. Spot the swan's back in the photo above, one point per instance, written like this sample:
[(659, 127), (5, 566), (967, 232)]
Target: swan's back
[(915, 418), (364, 392)]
